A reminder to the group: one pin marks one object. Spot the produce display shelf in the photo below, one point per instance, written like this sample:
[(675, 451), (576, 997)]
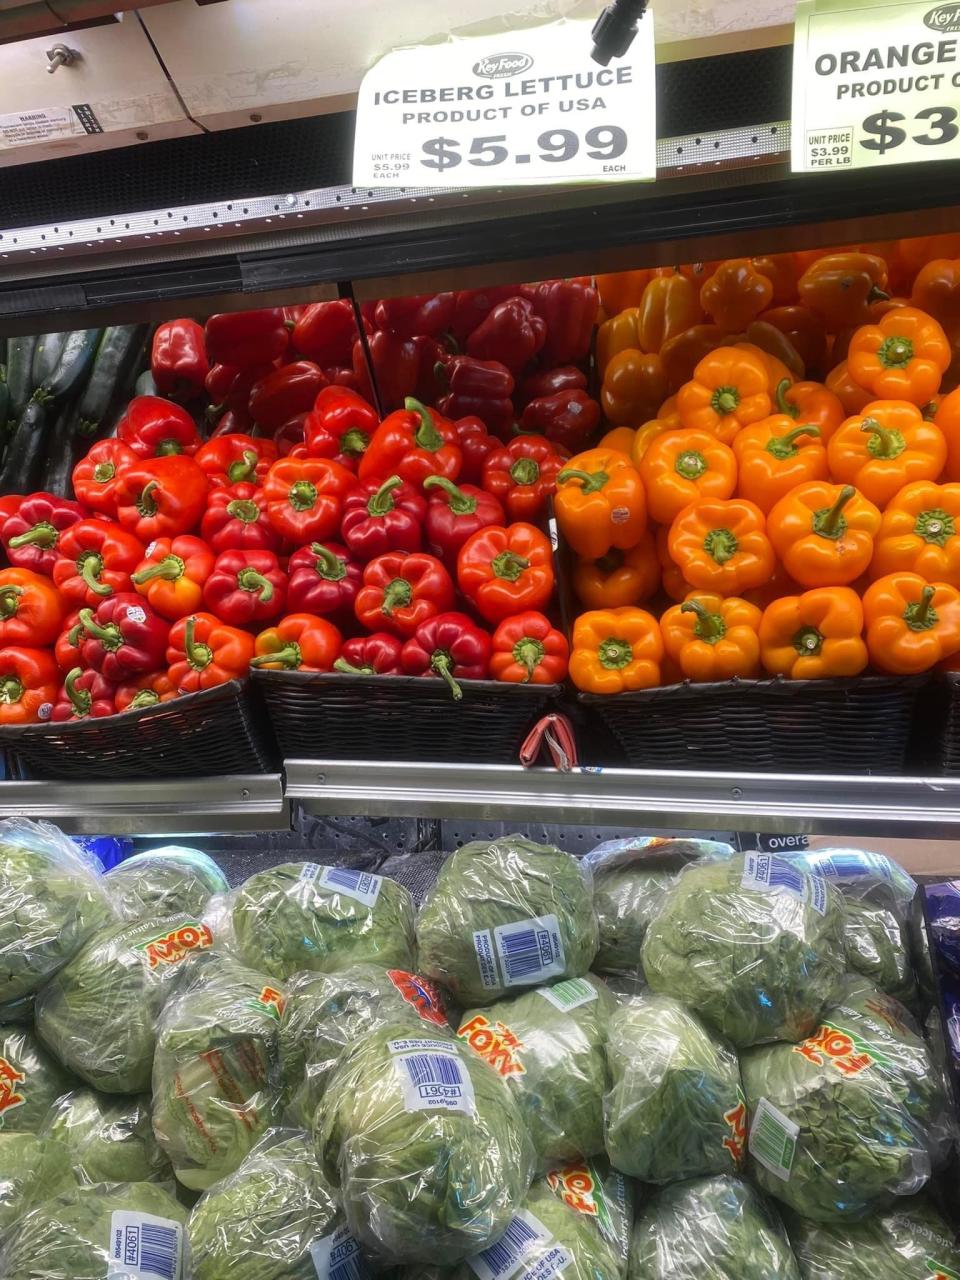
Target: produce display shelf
[(775, 803)]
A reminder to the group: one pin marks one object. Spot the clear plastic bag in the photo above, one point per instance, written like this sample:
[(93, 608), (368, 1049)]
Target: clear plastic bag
[(850, 1118), (107, 1138), (260, 1221), (51, 901), (216, 1074), (302, 916), (98, 1014), (170, 881), (32, 1169), (505, 915), (910, 1242), (710, 1229), (753, 944), (548, 1045), (675, 1108), (426, 1144), (30, 1080)]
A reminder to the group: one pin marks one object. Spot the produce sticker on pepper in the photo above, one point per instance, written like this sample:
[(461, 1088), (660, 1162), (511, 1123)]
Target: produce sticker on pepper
[(528, 106)]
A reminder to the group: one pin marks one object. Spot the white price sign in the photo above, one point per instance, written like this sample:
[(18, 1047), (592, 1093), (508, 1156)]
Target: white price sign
[(875, 83), (528, 107)]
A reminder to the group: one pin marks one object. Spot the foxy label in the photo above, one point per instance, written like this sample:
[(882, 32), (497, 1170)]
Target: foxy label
[(170, 948), (495, 1043), (270, 1000), (736, 1141), (830, 1044), (10, 1095)]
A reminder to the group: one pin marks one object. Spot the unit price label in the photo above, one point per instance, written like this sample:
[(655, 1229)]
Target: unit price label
[(526, 108)]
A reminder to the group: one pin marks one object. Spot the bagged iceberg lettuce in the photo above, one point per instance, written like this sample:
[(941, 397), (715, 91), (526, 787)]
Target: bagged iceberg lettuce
[(753, 944), (303, 916), (51, 901), (505, 915), (98, 1014), (910, 1242), (32, 1169), (631, 878), (170, 881), (325, 1012), (426, 1144), (675, 1107), (260, 1222), (107, 1138), (876, 940), (850, 1118), (102, 1232), (216, 1073), (710, 1229), (548, 1045), (30, 1080)]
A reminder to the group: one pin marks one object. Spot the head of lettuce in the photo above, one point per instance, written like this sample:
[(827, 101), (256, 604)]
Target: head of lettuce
[(107, 1138), (164, 882)]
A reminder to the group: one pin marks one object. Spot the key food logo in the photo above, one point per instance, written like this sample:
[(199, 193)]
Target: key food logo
[(497, 66), (945, 17)]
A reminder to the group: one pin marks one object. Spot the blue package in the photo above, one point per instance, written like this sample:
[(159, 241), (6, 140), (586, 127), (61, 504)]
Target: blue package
[(109, 849), (943, 914)]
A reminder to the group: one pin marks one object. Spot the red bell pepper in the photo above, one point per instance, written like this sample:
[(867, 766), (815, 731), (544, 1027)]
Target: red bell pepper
[(123, 637), (523, 475), (567, 418), (85, 694), (246, 587), (305, 497), (383, 517), (292, 315), (235, 459), (400, 590), (503, 571), (145, 691), (66, 650), (528, 649), (95, 476), (472, 306), (229, 388), (236, 520), (450, 646), (324, 580), (340, 426), (343, 376), (153, 428), (29, 681), (454, 515), (31, 608), (96, 560), (31, 536), (204, 652), (232, 423), (243, 338), (172, 574), (161, 498), (431, 380), (569, 308), (420, 313), (298, 642), (325, 332), (396, 367), (412, 443), (178, 358), (476, 444), (547, 382), (290, 439), (284, 393), (374, 655), (218, 382), (512, 334), (479, 389)]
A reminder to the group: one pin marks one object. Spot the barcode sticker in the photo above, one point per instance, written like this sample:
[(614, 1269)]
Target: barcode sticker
[(361, 885), (570, 994), (529, 950), (338, 1257), (433, 1076), (143, 1247), (770, 874), (843, 864), (504, 1258), (773, 1139), (309, 871), (551, 1264), (135, 613), (483, 946)]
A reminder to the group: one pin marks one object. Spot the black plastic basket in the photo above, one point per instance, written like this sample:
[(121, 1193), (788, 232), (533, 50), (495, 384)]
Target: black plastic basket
[(859, 725), (936, 730), (357, 717), (216, 731)]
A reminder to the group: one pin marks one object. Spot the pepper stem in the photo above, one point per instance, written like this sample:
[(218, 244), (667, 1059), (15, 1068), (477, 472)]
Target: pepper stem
[(199, 655), (921, 616), (110, 636), (509, 565), (427, 436), (381, 502), (302, 495), (808, 642), (243, 468), (289, 657), (830, 522), (895, 352), (354, 442), (591, 481), (525, 471), (104, 472), (884, 442), (441, 662), (724, 400), (785, 446), (708, 626), (460, 503), (244, 510), (170, 568), (167, 448), (11, 689), (721, 544), (145, 503), (614, 654), (80, 699), (396, 595), (328, 565), (250, 580), (783, 404), (91, 566), (349, 669), (935, 526), (41, 535), (145, 698), (9, 600), (528, 652)]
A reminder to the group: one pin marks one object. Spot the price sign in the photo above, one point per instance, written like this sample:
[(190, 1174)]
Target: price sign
[(528, 107), (875, 83)]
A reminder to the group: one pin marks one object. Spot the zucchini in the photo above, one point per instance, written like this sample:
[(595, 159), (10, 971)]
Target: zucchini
[(118, 348), (63, 450), (146, 385), (20, 374), (74, 364), (46, 354), (23, 460)]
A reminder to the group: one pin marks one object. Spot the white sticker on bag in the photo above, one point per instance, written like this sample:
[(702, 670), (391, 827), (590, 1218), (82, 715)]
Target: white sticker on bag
[(433, 1076), (552, 1263), (144, 1247), (338, 1257), (483, 946), (529, 950), (769, 874), (360, 885), (505, 1257), (773, 1139), (570, 994)]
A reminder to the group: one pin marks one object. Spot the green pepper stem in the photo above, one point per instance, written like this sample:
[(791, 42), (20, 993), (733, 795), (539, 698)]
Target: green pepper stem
[(460, 503), (885, 442), (145, 698), (525, 471), (354, 442), (289, 657), (427, 436), (615, 654), (167, 448), (831, 523), (591, 480), (785, 446), (109, 636), (145, 503), (104, 472), (509, 566), (783, 404), (302, 495), (708, 626), (199, 655), (441, 662), (250, 580), (529, 653), (90, 567), (349, 669), (244, 510), (396, 595), (42, 535), (9, 600), (922, 615), (80, 699), (381, 502), (328, 565), (11, 690), (243, 468), (170, 568)]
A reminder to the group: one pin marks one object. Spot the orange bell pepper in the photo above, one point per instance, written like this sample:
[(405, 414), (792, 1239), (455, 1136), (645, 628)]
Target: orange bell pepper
[(643, 437), (671, 303), (920, 533), (617, 334), (735, 294), (774, 456), (839, 287), (911, 624), (729, 390), (804, 332), (903, 357), (936, 291), (850, 394), (600, 503), (783, 272), (812, 403), (622, 289), (721, 546), (889, 446), (712, 638), (814, 636), (918, 250), (680, 355), (932, 408), (634, 386), (777, 347), (674, 584), (620, 438), (616, 650), (781, 584), (899, 275), (619, 578), (777, 371), (680, 467), (669, 413), (824, 533), (947, 418)]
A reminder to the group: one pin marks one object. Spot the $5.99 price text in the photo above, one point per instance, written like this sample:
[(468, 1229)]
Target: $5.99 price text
[(602, 143)]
